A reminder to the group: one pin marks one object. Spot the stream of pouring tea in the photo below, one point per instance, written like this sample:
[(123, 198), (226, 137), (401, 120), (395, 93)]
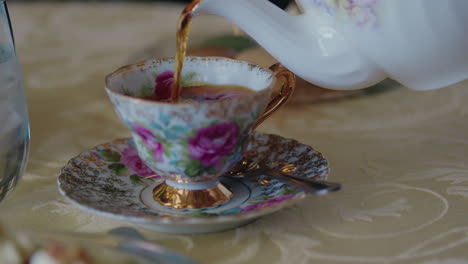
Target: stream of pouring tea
[(183, 31)]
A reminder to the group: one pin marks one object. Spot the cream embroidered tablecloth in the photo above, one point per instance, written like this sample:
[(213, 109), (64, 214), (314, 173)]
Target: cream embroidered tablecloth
[(401, 155)]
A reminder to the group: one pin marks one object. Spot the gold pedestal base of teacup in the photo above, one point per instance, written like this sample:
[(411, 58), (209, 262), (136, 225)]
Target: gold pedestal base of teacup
[(178, 198)]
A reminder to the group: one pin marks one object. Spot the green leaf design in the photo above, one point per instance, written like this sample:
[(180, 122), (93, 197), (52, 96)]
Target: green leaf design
[(180, 163), (194, 168), (135, 178), (118, 168), (191, 134), (238, 121), (167, 153), (146, 90), (289, 191), (188, 78), (200, 213), (127, 92), (149, 152), (231, 211), (263, 199), (110, 155)]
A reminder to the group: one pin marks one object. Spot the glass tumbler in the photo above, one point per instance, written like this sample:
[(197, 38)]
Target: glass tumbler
[(14, 122)]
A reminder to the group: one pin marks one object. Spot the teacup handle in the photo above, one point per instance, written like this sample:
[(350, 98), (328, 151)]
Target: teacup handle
[(287, 89)]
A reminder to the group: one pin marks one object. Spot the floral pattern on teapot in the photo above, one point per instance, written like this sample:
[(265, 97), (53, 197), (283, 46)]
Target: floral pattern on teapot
[(361, 12)]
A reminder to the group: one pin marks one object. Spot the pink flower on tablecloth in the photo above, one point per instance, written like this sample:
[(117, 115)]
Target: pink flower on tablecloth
[(132, 161), (163, 85), (268, 203), (212, 143), (150, 140)]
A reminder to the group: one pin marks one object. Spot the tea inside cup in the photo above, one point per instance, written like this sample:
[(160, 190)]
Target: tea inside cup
[(195, 141)]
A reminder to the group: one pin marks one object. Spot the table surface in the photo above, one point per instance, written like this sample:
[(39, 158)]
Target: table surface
[(401, 155)]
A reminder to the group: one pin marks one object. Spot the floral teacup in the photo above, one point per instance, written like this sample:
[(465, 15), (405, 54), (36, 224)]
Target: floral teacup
[(191, 144)]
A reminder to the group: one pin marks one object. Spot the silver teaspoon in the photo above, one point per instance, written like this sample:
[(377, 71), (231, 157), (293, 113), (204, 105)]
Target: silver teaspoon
[(249, 168)]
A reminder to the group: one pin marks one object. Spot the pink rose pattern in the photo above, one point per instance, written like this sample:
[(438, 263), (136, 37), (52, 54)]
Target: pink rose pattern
[(211, 144), (132, 161), (163, 85), (150, 141)]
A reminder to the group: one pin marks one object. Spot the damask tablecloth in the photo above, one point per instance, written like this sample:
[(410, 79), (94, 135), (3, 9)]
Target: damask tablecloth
[(401, 155)]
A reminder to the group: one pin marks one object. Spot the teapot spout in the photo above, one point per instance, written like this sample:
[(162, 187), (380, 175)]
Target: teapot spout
[(309, 46)]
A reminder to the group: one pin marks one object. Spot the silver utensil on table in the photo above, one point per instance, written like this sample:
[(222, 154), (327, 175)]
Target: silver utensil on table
[(285, 172), (133, 242)]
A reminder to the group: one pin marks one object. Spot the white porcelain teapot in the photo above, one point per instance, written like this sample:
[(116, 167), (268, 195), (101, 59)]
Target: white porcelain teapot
[(351, 44)]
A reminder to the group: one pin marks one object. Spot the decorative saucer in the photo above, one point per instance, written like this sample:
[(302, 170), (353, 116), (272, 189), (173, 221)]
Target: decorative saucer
[(112, 181)]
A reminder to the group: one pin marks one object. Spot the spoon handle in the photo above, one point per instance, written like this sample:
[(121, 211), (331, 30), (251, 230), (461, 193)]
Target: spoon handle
[(308, 184)]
